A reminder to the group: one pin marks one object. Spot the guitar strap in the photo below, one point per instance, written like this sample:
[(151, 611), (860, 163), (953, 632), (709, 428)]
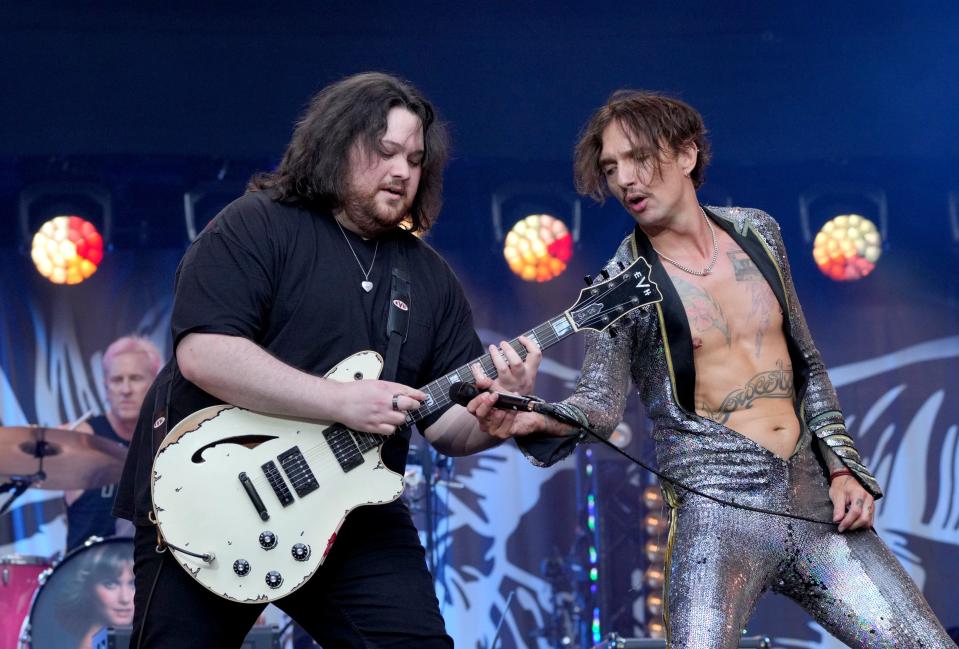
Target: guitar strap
[(398, 322), (161, 404)]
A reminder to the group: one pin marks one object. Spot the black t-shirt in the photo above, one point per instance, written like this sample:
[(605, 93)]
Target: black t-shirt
[(285, 278)]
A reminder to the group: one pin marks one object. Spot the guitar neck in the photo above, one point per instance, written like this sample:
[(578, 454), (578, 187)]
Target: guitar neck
[(546, 335)]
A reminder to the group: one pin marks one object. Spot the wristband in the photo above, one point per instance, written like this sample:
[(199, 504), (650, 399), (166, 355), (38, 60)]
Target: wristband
[(839, 472)]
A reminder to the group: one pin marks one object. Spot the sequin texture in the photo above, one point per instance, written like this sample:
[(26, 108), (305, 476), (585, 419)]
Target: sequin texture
[(724, 558)]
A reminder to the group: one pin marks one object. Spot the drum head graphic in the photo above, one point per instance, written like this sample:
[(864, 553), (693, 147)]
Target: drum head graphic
[(91, 588)]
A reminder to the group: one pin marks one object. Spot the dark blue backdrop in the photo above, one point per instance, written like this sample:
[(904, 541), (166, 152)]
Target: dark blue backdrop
[(151, 103)]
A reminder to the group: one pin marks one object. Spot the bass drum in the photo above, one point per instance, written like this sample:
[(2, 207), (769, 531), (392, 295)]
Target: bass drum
[(19, 578), (90, 588)]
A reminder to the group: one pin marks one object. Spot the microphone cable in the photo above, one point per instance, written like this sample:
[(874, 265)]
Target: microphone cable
[(564, 419)]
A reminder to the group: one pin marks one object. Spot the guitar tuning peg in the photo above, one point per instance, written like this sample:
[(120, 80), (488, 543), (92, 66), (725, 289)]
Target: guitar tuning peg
[(588, 279), (604, 273), (621, 265), (612, 332)]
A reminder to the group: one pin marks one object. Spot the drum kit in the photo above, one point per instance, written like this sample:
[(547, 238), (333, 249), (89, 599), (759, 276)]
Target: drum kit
[(54, 604)]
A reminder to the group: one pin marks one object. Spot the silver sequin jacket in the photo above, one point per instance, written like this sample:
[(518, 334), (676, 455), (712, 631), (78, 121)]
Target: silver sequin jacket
[(654, 348)]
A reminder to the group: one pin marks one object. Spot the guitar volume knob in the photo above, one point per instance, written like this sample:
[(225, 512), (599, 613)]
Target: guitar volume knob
[(268, 540), (274, 579), (300, 552), (241, 567)]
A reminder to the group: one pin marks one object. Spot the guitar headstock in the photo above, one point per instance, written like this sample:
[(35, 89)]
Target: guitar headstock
[(605, 302)]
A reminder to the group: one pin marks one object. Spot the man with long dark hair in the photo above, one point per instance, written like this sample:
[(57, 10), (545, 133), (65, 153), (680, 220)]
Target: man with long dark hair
[(286, 282), (742, 407)]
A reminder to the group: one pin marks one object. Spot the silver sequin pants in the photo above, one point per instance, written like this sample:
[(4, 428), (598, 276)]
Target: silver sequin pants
[(722, 559)]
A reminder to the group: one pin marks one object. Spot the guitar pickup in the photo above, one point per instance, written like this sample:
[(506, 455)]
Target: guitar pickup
[(272, 473), (298, 471), (344, 447)]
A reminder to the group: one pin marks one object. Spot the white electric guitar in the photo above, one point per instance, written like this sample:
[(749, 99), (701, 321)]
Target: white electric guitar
[(250, 504)]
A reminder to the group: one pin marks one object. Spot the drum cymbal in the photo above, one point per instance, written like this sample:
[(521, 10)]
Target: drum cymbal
[(71, 460)]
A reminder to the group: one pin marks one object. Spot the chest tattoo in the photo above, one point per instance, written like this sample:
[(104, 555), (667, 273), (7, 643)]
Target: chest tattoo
[(771, 384), (761, 297), (702, 309)]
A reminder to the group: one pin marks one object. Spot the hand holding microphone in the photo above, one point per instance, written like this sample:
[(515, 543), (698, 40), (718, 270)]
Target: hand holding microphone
[(463, 393)]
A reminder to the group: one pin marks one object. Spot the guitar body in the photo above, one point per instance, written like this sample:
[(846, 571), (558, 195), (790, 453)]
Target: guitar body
[(202, 505)]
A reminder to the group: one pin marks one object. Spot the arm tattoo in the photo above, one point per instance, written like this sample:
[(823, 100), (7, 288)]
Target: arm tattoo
[(703, 311), (772, 384), (762, 298)]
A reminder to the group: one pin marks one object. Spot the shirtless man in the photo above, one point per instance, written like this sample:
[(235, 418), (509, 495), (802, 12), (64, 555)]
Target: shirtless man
[(741, 404)]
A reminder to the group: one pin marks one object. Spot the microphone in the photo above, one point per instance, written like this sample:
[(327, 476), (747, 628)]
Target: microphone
[(463, 393)]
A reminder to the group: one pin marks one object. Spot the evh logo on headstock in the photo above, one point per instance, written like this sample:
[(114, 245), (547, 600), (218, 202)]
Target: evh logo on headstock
[(605, 302), (643, 281)]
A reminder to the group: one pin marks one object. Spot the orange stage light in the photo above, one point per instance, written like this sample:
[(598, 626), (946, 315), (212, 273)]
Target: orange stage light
[(67, 249), (538, 248), (847, 247)]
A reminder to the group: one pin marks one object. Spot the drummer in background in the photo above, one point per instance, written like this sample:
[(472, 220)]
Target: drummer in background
[(130, 364)]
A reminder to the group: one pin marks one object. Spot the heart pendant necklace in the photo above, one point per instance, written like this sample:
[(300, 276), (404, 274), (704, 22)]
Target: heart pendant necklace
[(366, 284)]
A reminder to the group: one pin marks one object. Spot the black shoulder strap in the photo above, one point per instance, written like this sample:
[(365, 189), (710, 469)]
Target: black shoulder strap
[(160, 423), (398, 322)]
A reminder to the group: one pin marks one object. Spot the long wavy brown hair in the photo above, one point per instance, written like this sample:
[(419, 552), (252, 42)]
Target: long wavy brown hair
[(314, 169), (654, 121)]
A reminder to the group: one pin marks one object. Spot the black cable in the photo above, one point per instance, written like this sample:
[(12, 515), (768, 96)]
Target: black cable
[(562, 418)]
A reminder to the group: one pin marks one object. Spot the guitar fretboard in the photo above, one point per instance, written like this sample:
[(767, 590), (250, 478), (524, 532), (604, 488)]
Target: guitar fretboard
[(438, 392)]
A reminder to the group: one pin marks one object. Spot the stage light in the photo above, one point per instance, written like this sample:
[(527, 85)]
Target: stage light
[(546, 218), (655, 552), (652, 497), (847, 247), (847, 225), (67, 249), (654, 603), (654, 577), (655, 524), (622, 435), (538, 248), (42, 202), (656, 629)]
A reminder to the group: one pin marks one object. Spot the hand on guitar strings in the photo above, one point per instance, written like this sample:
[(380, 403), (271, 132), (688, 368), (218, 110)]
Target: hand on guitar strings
[(375, 406), (514, 375)]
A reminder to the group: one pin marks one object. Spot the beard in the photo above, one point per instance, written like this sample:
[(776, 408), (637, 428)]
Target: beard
[(370, 217)]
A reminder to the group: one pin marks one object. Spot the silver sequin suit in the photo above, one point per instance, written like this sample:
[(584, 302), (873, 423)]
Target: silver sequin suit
[(721, 559)]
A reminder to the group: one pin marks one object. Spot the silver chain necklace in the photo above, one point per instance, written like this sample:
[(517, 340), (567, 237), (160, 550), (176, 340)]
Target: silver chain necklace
[(712, 262), (366, 284)]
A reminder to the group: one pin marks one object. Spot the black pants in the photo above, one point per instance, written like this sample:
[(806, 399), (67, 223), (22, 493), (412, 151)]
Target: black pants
[(373, 591)]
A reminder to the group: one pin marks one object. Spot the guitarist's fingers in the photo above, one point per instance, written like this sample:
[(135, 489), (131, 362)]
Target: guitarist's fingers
[(481, 405), (479, 377), (500, 423), (404, 403), (407, 391), (499, 361), (513, 359), (534, 355)]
